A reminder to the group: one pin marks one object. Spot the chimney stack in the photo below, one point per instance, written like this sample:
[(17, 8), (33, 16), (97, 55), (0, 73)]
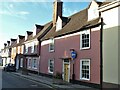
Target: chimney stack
[(8, 42), (5, 45), (57, 10)]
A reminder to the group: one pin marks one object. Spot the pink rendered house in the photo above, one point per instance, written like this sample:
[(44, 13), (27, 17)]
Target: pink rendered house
[(79, 32)]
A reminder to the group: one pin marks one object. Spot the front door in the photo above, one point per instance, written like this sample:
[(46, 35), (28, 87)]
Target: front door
[(66, 72), (17, 63)]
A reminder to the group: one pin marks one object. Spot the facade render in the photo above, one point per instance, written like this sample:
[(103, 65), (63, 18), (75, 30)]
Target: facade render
[(111, 43), (79, 32), (82, 48), (13, 50), (6, 53), (32, 49), (19, 52)]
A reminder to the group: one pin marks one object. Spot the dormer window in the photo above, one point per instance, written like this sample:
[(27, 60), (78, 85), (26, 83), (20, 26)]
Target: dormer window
[(59, 24), (18, 40), (34, 31), (26, 36), (93, 11)]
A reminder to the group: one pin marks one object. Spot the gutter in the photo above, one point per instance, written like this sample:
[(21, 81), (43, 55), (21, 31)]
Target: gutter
[(101, 55)]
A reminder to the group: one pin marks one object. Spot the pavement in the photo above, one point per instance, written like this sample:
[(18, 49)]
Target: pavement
[(52, 82)]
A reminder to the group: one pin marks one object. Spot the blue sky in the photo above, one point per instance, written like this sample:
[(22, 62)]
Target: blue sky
[(18, 17)]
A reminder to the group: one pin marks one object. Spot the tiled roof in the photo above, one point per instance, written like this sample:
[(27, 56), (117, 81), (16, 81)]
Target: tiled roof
[(21, 42), (45, 29), (76, 22)]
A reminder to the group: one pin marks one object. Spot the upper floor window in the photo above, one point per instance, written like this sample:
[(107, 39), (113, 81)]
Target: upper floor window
[(19, 50), (22, 49), (51, 45), (85, 39), (58, 24), (26, 49), (85, 69), (32, 49)]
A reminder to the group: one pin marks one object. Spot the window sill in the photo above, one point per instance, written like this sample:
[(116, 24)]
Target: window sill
[(85, 79), (34, 68), (50, 72), (87, 48), (51, 51)]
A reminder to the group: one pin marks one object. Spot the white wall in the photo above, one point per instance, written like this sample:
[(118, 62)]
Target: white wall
[(58, 24), (110, 16), (93, 11)]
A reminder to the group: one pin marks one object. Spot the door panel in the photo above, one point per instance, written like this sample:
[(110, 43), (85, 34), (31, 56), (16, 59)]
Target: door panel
[(66, 70)]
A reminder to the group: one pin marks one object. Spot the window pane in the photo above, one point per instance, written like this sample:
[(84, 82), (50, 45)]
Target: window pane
[(85, 40), (85, 69)]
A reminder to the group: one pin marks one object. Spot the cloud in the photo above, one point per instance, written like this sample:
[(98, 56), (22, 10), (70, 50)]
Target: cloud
[(9, 9), (23, 13), (11, 6), (68, 12)]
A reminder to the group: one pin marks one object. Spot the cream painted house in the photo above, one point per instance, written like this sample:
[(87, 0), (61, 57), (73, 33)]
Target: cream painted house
[(111, 43)]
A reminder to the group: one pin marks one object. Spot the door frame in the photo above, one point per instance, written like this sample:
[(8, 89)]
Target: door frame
[(68, 70)]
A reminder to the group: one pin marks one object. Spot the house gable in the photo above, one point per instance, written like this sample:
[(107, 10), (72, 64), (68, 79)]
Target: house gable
[(93, 10), (59, 24)]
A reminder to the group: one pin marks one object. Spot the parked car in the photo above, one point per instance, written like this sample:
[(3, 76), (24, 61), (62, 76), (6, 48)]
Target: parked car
[(9, 67)]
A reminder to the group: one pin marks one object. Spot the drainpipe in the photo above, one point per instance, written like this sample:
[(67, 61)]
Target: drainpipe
[(101, 55)]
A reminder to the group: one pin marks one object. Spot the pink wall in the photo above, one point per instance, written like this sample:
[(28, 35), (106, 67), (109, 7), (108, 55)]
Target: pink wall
[(62, 48)]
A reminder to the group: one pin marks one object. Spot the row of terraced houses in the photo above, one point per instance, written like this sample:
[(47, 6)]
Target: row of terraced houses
[(93, 34)]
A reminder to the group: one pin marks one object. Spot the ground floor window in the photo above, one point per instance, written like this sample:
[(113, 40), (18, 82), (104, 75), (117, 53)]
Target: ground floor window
[(21, 62), (85, 69), (51, 66), (29, 62), (34, 63)]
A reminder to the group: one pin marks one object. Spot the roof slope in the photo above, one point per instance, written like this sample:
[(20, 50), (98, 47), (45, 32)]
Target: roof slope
[(76, 22)]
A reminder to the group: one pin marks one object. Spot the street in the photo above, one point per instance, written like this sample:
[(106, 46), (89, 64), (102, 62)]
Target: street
[(12, 81)]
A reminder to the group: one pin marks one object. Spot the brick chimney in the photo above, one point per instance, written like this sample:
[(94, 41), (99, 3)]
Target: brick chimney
[(5, 45), (57, 10), (8, 42)]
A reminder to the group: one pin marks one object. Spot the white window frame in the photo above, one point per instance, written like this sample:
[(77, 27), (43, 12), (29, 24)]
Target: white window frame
[(81, 78), (84, 32), (22, 49), (18, 49), (21, 62), (29, 62), (32, 49), (49, 66), (34, 64), (26, 49), (52, 41)]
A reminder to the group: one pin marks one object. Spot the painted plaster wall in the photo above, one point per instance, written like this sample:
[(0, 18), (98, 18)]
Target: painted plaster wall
[(119, 55), (110, 43), (62, 49), (110, 55)]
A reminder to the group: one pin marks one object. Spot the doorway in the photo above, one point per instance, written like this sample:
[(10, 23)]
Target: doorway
[(66, 70)]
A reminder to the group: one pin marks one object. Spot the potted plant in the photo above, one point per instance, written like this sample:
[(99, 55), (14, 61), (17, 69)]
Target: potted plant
[(24, 71)]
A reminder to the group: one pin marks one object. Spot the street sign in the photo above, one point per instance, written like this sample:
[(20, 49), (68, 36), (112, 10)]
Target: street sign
[(73, 54)]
